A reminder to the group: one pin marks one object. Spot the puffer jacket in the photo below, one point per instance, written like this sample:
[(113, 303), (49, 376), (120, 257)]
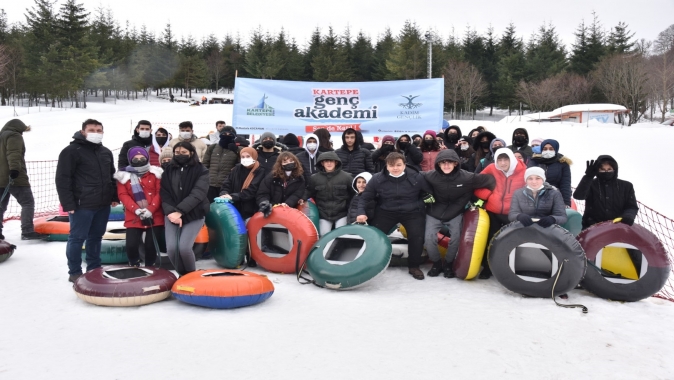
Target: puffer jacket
[(219, 161), (331, 191), (199, 145), (184, 189), (452, 191), (244, 200), (557, 173), (402, 195), (136, 140), (84, 175), (499, 200), (151, 184), (357, 160), (549, 202), (606, 200), (524, 149), (353, 206), (268, 159), (412, 153), (277, 190), (12, 153)]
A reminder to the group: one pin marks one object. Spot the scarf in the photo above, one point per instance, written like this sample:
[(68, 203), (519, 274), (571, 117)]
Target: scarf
[(250, 176), (136, 187)]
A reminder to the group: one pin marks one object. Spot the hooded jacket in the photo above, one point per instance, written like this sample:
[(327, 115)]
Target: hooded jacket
[(308, 160), (400, 195), (245, 200), (452, 191), (155, 150), (449, 144), (606, 200), (12, 153), (199, 145), (549, 202), (357, 160), (150, 182), (293, 143), (489, 158), (331, 191), (467, 157), (353, 206), (136, 140), (413, 155), (557, 170), (268, 159), (524, 149), (479, 154), (499, 200), (84, 175)]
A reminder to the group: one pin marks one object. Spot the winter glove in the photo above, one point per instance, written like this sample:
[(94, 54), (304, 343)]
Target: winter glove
[(265, 208), (139, 211), (146, 214), (525, 219), (479, 203), (591, 168), (13, 174), (546, 221), (627, 220), (428, 199), (233, 147)]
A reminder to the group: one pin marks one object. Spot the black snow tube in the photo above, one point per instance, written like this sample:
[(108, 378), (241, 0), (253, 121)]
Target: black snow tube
[(652, 273), (526, 260)]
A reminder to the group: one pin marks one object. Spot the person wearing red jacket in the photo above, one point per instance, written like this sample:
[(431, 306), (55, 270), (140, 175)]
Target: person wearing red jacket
[(160, 140), (508, 172), (138, 188)]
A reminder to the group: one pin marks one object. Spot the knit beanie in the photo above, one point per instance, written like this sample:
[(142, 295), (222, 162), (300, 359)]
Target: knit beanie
[(267, 135), (537, 140), (136, 150), (534, 171), (166, 152), (388, 138), (429, 132)]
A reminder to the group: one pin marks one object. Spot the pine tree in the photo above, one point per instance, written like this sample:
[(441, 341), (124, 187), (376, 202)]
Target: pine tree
[(596, 42), (511, 64), (408, 57), (489, 70), (545, 54), (331, 63), (579, 61), (620, 39), (311, 52), (363, 58), (473, 48), (382, 52)]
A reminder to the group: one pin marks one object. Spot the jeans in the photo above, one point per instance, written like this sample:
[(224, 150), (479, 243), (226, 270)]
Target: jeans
[(86, 225), (326, 225), (431, 241), (24, 196), (181, 252), (414, 225)]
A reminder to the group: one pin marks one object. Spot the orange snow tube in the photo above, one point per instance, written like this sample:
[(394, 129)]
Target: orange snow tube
[(274, 241)]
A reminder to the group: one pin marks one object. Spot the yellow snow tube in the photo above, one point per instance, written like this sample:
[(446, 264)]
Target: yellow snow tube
[(617, 260)]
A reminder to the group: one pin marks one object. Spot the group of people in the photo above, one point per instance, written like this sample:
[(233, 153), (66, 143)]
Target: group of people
[(423, 182)]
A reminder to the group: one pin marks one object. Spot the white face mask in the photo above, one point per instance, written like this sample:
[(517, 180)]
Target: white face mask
[(548, 153), (95, 138), (185, 135), (144, 134), (312, 146), (247, 162), (397, 176), (464, 147)]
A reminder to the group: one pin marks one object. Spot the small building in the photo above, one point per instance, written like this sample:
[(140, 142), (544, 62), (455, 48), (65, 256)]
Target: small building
[(583, 113)]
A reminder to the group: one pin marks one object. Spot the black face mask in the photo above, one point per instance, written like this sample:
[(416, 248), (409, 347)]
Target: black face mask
[(181, 159), (161, 140), (417, 142), (520, 140), (268, 144), (606, 176), (138, 162), (165, 165), (386, 148), (289, 167), (404, 145), (485, 144), (428, 142), (452, 138)]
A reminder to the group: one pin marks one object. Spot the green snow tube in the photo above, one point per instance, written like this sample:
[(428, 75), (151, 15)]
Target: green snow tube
[(311, 211), (228, 237), (349, 256), (574, 222), (112, 252)]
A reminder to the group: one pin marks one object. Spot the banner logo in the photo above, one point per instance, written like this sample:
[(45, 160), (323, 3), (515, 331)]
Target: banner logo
[(261, 109), (409, 105)]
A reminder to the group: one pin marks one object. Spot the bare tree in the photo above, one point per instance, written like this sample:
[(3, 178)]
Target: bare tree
[(216, 66), (624, 80), (661, 71), (454, 72), (471, 87), (578, 89), (4, 64)]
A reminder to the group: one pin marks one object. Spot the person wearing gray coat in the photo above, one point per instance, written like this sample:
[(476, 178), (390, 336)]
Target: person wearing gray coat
[(537, 200)]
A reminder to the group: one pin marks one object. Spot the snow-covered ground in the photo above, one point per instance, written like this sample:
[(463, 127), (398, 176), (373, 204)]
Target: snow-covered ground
[(396, 327)]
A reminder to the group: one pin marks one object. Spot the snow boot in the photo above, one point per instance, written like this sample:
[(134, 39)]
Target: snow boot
[(448, 272), (416, 273), (73, 277), (436, 269), (33, 236), (485, 274)]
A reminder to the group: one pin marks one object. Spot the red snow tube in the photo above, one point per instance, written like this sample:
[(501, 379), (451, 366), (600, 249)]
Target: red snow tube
[(473, 243), (637, 244), (274, 241), (118, 285), (6, 250)]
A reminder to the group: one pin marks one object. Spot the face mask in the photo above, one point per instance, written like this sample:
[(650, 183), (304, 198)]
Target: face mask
[(137, 162), (161, 140), (605, 176), (386, 148), (532, 189), (464, 147), (268, 144), (485, 144), (548, 153), (144, 134), (186, 135), (404, 145), (165, 165), (520, 140), (247, 162), (95, 138), (312, 146), (397, 176), (452, 138), (182, 159), (289, 167), (429, 142)]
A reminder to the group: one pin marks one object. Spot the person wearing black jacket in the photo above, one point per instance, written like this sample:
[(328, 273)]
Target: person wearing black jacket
[(466, 154), (184, 189), (242, 183), (330, 190), (379, 155), (401, 195), (142, 136), (268, 151), (285, 184), (359, 183), (557, 167), (309, 156), (355, 159), (291, 141), (324, 144), (452, 136), (606, 197), (412, 153), (521, 142), (481, 145), (86, 189), (452, 189)]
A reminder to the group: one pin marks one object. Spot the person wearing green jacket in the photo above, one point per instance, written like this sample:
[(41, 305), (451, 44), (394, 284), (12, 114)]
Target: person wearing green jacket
[(13, 174)]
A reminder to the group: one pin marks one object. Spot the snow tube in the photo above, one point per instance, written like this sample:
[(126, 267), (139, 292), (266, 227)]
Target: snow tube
[(117, 213), (274, 241), (222, 288), (201, 243), (112, 252), (526, 260), (124, 286), (474, 235), (627, 263), (227, 233), (311, 211), (6, 250), (574, 222), (57, 228), (349, 256)]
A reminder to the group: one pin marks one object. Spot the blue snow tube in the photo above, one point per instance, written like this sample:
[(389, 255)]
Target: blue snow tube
[(228, 237), (117, 213)]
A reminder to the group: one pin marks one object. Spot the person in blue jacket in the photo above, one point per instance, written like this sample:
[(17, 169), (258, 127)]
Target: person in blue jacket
[(556, 166)]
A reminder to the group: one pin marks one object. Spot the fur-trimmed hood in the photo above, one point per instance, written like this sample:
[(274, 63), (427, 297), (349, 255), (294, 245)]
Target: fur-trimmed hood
[(123, 177)]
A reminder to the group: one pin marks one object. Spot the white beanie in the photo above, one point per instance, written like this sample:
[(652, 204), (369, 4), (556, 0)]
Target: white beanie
[(534, 171)]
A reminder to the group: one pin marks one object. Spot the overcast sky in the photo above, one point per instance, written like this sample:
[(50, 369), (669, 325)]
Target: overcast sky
[(300, 17)]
